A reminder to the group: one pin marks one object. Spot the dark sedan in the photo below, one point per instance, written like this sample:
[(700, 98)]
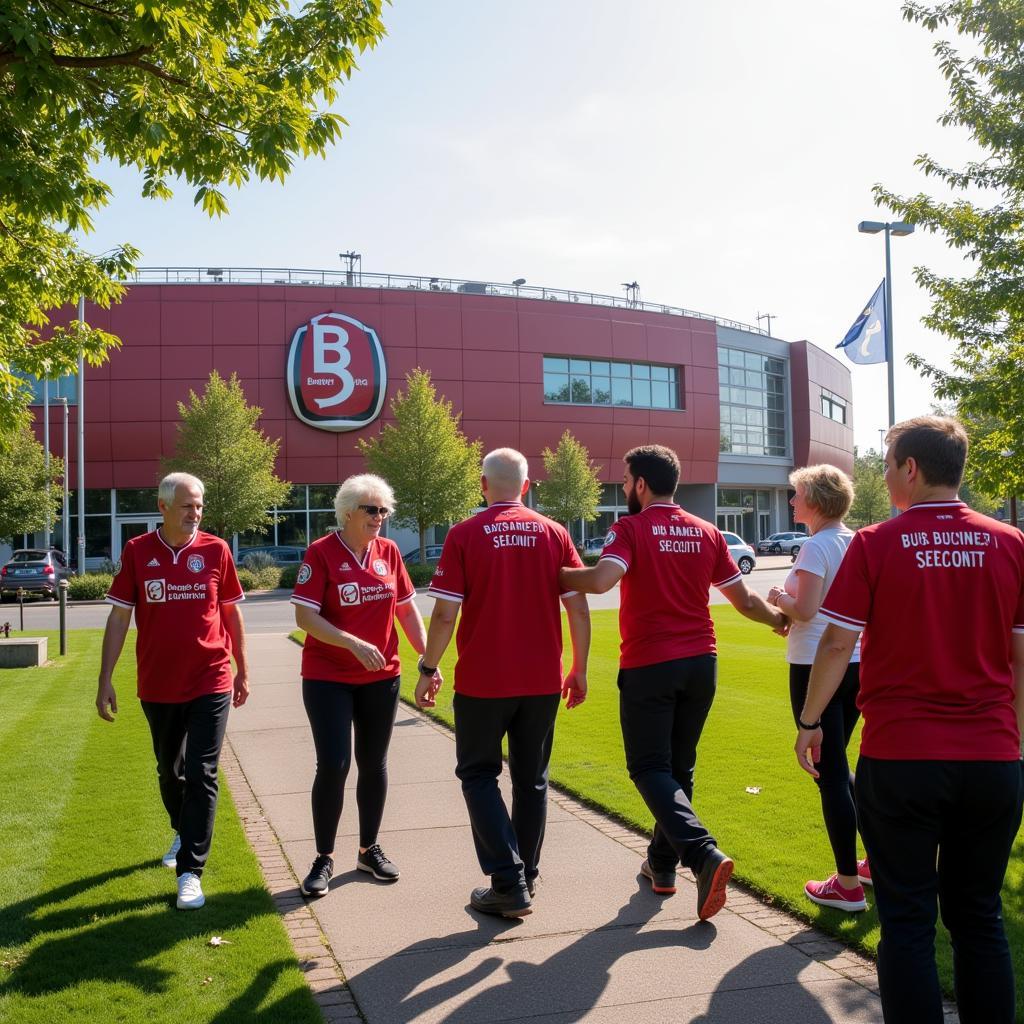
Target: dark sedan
[(34, 570)]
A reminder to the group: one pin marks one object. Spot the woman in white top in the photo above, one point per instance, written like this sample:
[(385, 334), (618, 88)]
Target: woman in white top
[(823, 496)]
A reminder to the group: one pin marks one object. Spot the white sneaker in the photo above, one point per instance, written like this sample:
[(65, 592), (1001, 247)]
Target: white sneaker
[(170, 859), (190, 892)]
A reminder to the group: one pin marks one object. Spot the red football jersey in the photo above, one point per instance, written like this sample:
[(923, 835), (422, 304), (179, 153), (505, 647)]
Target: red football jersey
[(358, 596), (503, 564), (182, 649), (937, 592), (671, 560)]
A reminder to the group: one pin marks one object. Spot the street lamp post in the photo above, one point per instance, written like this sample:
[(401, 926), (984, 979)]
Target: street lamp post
[(65, 513), (46, 456), (80, 558), (899, 228)]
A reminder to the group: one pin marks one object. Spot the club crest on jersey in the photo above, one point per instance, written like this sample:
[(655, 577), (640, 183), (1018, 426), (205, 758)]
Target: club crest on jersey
[(336, 374), (196, 563), (348, 593), (610, 538), (305, 574), (156, 591), (380, 567), (117, 567)]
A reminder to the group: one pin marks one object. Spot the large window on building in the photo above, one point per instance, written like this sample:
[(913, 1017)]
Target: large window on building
[(752, 394), (604, 382), (832, 406)]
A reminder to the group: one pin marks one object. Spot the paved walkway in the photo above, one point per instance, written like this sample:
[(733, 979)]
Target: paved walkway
[(599, 947)]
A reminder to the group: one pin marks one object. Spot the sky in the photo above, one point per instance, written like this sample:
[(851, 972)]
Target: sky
[(721, 155)]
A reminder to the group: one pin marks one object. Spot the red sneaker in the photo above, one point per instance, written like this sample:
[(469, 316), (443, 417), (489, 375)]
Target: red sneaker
[(864, 871), (831, 894)]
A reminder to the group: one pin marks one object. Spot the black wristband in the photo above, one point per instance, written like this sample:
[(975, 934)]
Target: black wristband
[(809, 728), (425, 670)]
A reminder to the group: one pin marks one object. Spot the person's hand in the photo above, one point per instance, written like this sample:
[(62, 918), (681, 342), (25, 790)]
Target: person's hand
[(106, 700), (369, 656), (773, 596), (427, 688), (808, 750), (783, 626), (574, 689), (241, 690)]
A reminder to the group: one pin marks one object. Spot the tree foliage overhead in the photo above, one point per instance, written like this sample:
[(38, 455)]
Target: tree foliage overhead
[(983, 312), (572, 489), (871, 502), (24, 501), (209, 92), (218, 441), (425, 457)]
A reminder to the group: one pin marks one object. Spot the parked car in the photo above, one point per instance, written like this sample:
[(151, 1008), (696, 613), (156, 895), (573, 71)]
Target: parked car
[(34, 570), (433, 555), (282, 554), (786, 543), (741, 551)]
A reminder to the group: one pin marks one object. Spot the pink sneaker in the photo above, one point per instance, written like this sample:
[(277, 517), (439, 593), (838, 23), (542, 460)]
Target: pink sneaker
[(864, 872), (831, 894)]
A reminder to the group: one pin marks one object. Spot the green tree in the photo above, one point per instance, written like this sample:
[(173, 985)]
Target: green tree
[(425, 457), (24, 502), (982, 312), (871, 497), (208, 92), (572, 489), (218, 441)]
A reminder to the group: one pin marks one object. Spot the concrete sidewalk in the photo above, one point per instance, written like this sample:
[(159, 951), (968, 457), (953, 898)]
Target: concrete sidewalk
[(599, 946)]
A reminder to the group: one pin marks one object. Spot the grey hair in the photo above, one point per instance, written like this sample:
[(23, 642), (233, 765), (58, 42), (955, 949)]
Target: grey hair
[(356, 489), (506, 470), (171, 482)]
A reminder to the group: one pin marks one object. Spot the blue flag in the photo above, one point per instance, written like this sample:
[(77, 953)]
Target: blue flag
[(865, 340)]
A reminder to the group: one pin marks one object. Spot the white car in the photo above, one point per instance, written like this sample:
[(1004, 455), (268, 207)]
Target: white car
[(742, 553), (788, 543)]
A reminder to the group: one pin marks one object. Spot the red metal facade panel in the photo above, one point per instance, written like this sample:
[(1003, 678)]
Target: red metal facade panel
[(815, 438), (484, 353)]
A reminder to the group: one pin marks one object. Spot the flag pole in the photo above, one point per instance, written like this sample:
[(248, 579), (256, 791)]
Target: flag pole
[(889, 355)]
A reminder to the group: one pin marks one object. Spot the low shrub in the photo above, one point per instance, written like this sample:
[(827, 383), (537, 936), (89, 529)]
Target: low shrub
[(93, 586), (248, 580), (591, 558), (257, 561), (420, 575), (268, 578), (289, 576)]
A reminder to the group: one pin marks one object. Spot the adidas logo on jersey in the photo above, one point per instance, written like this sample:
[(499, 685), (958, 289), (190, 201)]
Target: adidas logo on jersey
[(345, 567), (152, 562)]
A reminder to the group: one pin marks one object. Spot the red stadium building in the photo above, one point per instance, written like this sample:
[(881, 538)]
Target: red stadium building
[(322, 353)]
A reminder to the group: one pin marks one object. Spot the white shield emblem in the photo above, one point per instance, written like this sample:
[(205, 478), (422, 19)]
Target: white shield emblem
[(196, 563), (380, 567), (610, 539), (305, 574)]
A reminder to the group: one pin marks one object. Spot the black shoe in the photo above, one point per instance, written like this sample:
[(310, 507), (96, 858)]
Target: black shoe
[(505, 904), (531, 885), (316, 882), (662, 882), (712, 879), (377, 864)]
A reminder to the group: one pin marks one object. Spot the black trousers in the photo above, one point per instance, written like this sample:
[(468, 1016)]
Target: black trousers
[(186, 740), (507, 846), (941, 831), (662, 710), (835, 780), (334, 711)]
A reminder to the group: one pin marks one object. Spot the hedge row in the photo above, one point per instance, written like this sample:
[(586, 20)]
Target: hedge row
[(92, 586), (267, 578)]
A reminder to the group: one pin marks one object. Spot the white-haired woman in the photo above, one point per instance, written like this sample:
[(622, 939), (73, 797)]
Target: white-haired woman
[(350, 589), (822, 496)]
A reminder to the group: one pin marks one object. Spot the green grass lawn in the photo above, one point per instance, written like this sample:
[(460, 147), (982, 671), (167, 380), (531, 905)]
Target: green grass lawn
[(776, 837), (88, 927)]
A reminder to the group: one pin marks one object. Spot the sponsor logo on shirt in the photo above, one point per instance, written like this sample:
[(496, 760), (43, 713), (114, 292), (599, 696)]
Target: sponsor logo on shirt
[(348, 593), (196, 563), (156, 591), (160, 591), (380, 567), (305, 574), (149, 565)]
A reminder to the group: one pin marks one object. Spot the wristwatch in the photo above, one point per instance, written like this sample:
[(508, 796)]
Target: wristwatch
[(425, 670)]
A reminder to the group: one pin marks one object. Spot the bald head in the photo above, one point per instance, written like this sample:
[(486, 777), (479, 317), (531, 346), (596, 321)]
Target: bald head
[(504, 471)]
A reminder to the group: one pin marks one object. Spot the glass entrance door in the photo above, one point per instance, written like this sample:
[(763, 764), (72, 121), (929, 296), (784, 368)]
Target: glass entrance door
[(731, 522), (134, 527)]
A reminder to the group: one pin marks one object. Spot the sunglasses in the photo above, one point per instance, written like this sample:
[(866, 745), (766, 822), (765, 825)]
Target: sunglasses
[(376, 510)]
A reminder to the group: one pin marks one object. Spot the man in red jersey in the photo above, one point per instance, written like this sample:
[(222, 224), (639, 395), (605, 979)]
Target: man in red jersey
[(939, 594), (501, 567), (183, 588), (667, 560)]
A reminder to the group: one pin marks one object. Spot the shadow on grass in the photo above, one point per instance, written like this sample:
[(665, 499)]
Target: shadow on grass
[(115, 940)]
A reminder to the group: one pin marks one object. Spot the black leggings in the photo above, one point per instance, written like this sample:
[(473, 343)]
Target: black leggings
[(333, 710), (835, 783)]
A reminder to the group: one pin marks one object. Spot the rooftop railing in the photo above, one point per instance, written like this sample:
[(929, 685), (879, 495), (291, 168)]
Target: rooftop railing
[(413, 282)]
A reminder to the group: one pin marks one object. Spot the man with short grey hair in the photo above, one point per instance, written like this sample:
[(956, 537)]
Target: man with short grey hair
[(184, 590), (501, 568)]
